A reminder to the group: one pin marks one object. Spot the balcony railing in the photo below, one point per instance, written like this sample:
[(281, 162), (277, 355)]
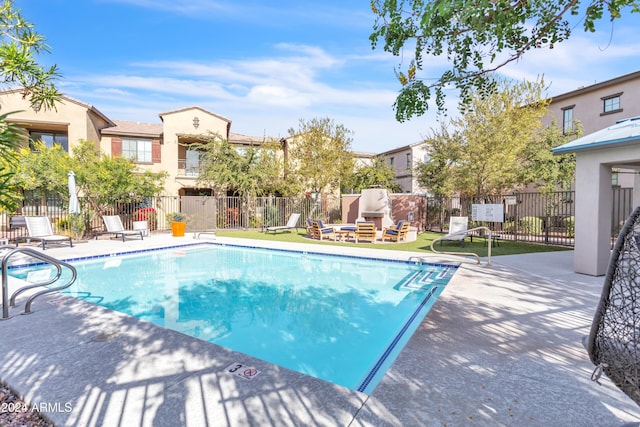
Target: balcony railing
[(187, 170)]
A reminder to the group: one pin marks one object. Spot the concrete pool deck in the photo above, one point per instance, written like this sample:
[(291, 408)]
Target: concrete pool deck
[(501, 347)]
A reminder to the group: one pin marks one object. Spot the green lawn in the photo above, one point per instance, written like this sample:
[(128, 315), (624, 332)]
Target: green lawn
[(423, 243)]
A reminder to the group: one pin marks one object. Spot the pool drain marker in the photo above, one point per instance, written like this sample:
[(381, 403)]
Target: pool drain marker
[(241, 370)]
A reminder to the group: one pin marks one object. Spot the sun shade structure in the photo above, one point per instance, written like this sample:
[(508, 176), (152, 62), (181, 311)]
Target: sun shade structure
[(614, 340), (617, 146)]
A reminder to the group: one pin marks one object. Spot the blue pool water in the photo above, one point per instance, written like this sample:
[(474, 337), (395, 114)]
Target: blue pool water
[(341, 319)]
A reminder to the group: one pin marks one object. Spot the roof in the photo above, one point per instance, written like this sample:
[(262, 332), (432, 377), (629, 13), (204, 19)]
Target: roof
[(125, 127), (195, 107), (403, 148), (63, 98), (624, 132), (238, 138), (596, 86)]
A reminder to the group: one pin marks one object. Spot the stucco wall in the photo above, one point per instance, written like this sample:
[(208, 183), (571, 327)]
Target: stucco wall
[(73, 118)]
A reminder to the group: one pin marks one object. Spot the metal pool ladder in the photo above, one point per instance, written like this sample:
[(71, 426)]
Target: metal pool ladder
[(8, 301)]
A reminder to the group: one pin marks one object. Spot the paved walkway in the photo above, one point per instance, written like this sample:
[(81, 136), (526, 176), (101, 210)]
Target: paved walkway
[(501, 347)]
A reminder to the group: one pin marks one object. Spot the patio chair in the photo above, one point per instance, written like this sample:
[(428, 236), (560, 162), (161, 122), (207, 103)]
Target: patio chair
[(396, 233), (113, 224), (310, 232), (457, 229), (320, 231), (39, 228), (365, 231), (613, 343), (291, 223)]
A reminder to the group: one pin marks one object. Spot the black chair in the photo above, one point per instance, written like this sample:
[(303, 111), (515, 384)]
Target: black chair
[(614, 340)]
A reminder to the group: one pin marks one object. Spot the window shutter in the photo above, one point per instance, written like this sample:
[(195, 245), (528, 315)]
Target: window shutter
[(156, 151), (116, 147)]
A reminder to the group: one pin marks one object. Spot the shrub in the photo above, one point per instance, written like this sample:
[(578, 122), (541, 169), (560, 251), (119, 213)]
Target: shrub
[(569, 224), (531, 225), (176, 217), (526, 225)]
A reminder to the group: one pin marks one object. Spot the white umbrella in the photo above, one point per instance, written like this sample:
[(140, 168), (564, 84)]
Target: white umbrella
[(74, 205)]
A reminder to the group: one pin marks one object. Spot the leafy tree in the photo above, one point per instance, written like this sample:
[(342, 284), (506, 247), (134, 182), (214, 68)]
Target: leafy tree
[(219, 163), (547, 171), (19, 43), (486, 150), (246, 171), (320, 156), (44, 170), (436, 173), (10, 139), (104, 180), (476, 37), (377, 174)]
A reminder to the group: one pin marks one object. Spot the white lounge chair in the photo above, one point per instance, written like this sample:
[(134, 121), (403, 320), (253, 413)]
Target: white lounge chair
[(457, 229), (291, 223), (113, 223), (39, 228)]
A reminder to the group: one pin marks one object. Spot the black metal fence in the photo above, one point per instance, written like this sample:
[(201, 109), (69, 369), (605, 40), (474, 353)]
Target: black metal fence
[(530, 217), (202, 212)]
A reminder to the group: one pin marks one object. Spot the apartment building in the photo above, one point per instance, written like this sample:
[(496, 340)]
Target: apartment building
[(597, 107), (157, 147), (403, 160)]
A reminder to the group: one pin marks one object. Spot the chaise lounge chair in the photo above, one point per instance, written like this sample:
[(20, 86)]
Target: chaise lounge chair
[(113, 223), (396, 233), (291, 223), (320, 231), (457, 229), (365, 231), (39, 228)]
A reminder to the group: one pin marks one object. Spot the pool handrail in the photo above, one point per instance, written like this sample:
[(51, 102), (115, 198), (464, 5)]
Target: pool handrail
[(471, 254), (9, 301)]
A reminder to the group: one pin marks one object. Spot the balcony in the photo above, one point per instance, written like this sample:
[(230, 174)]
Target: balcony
[(187, 168)]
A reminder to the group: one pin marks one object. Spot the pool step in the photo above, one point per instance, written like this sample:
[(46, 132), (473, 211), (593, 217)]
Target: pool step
[(424, 279)]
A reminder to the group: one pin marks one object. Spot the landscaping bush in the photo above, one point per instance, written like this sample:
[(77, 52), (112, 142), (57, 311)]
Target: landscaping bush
[(526, 225), (569, 224), (531, 225)]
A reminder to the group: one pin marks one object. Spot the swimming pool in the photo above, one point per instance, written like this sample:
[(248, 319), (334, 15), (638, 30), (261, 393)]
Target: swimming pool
[(341, 319)]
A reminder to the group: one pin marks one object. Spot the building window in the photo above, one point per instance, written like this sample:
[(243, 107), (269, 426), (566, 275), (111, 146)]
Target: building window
[(408, 160), (567, 120), (391, 161), (611, 104), (138, 150), (50, 139), (193, 163)]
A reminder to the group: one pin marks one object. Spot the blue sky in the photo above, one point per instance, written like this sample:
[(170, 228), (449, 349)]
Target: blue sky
[(266, 65)]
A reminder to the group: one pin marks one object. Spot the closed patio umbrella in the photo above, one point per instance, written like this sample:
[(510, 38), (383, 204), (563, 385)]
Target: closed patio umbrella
[(74, 205)]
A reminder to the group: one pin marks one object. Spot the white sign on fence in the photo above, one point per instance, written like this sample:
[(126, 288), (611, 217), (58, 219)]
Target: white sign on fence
[(487, 212), (511, 200)]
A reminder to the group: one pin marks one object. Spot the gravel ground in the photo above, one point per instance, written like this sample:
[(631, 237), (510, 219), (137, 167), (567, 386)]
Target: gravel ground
[(14, 412)]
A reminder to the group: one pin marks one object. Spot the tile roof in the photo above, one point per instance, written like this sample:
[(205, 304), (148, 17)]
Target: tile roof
[(125, 127)]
